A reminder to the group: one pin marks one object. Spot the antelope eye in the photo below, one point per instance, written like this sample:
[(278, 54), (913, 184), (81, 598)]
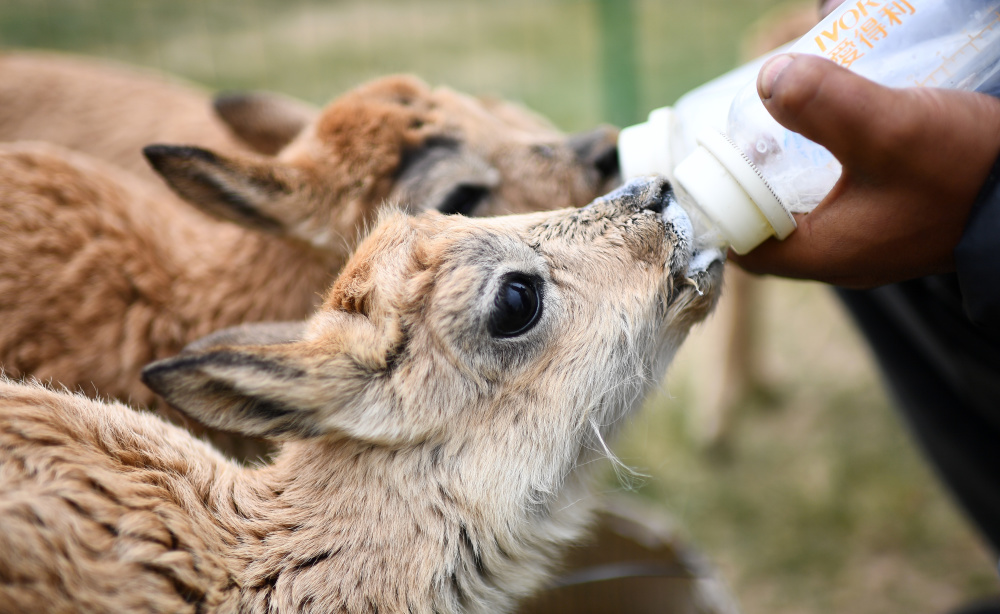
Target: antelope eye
[(463, 200), (516, 307)]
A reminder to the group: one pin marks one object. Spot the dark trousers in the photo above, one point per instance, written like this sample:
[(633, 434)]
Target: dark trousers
[(945, 377)]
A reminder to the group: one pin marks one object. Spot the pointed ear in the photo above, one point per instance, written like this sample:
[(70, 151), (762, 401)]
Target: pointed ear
[(252, 192), (331, 382), (254, 333), (265, 121), (598, 149), (236, 389)]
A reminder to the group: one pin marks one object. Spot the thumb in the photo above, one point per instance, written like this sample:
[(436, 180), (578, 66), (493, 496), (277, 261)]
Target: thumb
[(828, 104)]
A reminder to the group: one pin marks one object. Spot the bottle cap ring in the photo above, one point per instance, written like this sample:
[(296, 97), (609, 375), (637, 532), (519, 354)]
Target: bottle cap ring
[(750, 179)]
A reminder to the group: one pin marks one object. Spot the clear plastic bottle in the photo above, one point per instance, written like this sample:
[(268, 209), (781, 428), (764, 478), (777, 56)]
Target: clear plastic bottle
[(742, 183), (641, 151)]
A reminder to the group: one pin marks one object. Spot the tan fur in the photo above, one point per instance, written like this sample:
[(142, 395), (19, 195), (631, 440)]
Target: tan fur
[(108, 110), (99, 274), (96, 280), (429, 465)]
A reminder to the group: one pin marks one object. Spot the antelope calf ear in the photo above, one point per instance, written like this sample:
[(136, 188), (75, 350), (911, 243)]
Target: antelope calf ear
[(330, 382), (255, 193), (265, 121), (598, 149), (236, 389)]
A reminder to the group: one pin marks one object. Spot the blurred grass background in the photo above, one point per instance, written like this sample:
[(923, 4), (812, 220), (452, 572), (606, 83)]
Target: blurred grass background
[(820, 502), (546, 53)]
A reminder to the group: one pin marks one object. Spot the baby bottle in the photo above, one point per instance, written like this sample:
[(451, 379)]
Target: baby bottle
[(741, 175)]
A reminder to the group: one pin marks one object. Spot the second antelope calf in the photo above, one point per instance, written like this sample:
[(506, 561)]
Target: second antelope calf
[(437, 418)]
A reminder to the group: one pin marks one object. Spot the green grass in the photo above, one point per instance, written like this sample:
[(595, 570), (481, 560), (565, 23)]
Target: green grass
[(820, 504)]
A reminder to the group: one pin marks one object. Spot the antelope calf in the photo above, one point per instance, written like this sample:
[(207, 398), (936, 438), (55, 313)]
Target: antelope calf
[(437, 418)]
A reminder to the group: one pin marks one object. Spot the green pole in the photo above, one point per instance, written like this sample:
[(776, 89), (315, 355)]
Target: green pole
[(619, 83)]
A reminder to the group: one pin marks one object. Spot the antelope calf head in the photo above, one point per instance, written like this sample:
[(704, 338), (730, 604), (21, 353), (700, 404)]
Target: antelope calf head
[(458, 375), (392, 139)]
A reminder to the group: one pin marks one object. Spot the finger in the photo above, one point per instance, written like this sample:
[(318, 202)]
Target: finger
[(846, 113), (798, 256)]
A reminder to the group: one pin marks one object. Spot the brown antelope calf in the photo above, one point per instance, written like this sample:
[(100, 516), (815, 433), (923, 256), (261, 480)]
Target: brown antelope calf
[(437, 418)]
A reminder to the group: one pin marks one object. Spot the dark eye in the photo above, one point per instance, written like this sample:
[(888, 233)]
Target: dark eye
[(516, 307), (463, 199)]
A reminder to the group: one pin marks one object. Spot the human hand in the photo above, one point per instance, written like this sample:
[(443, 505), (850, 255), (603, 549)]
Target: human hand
[(913, 161)]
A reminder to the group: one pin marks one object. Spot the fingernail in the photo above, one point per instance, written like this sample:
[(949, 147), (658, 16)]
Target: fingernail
[(769, 72)]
